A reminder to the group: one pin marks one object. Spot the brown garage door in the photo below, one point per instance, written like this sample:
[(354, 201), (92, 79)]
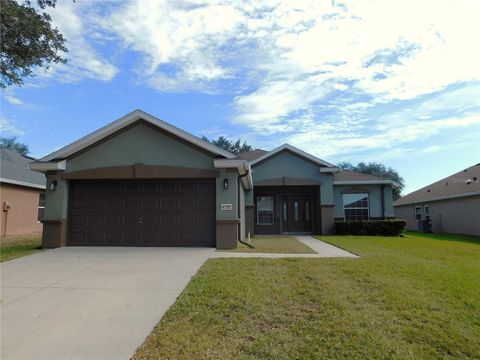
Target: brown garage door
[(142, 213)]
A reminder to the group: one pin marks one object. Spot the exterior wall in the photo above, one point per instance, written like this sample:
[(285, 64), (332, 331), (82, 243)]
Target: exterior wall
[(454, 216), (241, 207), (278, 192), (287, 164), (374, 199), (141, 144), (21, 219)]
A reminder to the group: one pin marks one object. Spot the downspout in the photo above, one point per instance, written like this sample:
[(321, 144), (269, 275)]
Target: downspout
[(240, 184)]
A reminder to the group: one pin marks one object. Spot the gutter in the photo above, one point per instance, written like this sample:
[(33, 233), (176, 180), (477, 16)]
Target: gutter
[(242, 166)]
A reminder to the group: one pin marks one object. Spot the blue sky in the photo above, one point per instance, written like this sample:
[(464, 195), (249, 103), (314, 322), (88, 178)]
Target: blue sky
[(391, 81)]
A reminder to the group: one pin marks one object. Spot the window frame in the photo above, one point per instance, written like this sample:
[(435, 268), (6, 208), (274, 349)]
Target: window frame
[(362, 208), (258, 211), (418, 213), (41, 205)]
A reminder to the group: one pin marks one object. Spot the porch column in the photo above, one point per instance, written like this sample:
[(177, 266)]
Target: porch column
[(327, 206)]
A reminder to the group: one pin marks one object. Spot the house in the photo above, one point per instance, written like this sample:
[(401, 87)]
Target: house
[(451, 204), (140, 181), (22, 193)]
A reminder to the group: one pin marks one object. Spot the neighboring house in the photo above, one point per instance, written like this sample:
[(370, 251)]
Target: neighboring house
[(451, 204), (22, 193), (140, 181)]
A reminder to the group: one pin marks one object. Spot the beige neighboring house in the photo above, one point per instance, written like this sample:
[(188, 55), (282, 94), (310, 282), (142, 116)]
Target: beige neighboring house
[(22, 195), (451, 204)]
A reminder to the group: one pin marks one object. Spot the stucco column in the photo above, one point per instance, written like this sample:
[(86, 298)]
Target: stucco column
[(227, 219), (327, 206), (56, 205)]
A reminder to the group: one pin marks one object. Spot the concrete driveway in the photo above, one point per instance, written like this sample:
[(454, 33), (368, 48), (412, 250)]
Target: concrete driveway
[(88, 302)]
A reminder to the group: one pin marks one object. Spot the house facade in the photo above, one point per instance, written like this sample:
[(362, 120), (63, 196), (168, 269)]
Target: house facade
[(22, 194), (140, 181), (451, 205)]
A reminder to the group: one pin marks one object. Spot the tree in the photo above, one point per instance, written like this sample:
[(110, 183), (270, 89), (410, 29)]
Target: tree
[(377, 169), (235, 147), (11, 143), (27, 40)]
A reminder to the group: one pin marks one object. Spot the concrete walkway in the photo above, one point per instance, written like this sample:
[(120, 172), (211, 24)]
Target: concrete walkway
[(323, 249), (90, 302)]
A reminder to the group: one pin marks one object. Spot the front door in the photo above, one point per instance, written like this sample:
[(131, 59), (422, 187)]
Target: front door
[(296, 214)]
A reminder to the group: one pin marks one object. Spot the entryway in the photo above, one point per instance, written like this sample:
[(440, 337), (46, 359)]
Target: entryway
[(296, 214)]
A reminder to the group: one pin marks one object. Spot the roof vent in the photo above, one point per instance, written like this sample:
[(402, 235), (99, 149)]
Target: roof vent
[(468, 181), (475, 178)]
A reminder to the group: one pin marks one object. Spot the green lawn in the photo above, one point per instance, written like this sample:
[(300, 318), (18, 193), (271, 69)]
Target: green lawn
[(276, 244), (416, 297), (18, 246)]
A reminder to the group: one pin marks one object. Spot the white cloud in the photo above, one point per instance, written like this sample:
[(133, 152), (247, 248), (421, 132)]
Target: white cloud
[(9, 127), (84, 62), (180, 41), (13, 100)]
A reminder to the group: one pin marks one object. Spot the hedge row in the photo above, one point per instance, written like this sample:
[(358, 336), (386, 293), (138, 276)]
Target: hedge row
[(372, 227)]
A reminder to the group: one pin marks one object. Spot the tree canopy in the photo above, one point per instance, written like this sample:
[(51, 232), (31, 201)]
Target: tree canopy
[(27, 40), (377, 169), (11, 143), (234, 146)]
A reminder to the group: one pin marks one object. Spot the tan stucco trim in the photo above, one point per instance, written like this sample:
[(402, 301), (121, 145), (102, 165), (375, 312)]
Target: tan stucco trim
[(139, 171), (287, 181)]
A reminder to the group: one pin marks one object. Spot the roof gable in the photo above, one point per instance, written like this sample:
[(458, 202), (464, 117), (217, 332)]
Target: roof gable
[(125, 121), (294, 150)]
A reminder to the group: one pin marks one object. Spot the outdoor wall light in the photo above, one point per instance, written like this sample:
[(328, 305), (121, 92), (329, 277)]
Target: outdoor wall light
[(53, 185), (225, 184)]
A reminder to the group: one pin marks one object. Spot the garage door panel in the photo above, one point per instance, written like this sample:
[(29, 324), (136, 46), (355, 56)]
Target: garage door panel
[(142, 213)]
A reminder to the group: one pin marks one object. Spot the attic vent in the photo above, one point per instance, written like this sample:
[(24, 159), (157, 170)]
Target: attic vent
[(475, 178), (428, 190)]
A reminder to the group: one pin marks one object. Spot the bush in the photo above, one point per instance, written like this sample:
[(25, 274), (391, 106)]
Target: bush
[(372, 227)]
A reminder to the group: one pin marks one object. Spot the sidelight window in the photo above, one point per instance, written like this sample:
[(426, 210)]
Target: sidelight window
[(355, 207), (265, 210)]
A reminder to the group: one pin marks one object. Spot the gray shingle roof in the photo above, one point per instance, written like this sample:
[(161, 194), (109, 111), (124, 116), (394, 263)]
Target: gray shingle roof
[(14, 169), (347, 175), (463, 183), (251, 155)]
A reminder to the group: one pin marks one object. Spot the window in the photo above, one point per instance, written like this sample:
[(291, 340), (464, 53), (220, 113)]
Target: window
[(426, 211), (41, 206), (265, 210), (295, 210), (355, 207), (418, 213), (285, 211)]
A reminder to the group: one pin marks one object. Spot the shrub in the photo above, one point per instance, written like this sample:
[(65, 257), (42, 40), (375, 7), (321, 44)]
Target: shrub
[(372, 227)]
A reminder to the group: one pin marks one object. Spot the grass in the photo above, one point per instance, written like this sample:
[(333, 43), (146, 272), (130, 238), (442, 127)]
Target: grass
[(17, 246), (275, 244), (415, 297)]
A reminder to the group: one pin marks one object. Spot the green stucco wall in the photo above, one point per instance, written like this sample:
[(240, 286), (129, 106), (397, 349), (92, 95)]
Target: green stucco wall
[(374, 198), (291, 165), (228, 196), (141, 144), (56, 202)]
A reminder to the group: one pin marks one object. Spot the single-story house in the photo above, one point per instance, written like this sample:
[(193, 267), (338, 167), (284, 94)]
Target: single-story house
[(140, 181), (451, 205), (22, 193)]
